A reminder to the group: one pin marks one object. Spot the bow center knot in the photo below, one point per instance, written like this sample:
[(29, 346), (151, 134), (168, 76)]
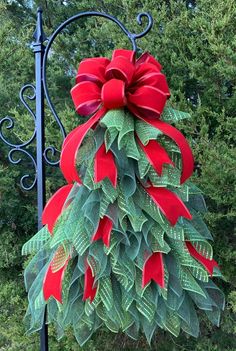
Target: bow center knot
[(113, 94)]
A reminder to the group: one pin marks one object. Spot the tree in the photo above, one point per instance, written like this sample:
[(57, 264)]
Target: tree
[(196, 46)]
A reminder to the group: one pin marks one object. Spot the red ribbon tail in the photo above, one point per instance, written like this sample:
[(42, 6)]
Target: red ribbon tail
[(170, 204), (104, 166), (54, 206), (89, 290), (179, 139), (156, 155), (154, 269), (207, 263), (52, 284), (104, 231), (71, 146)]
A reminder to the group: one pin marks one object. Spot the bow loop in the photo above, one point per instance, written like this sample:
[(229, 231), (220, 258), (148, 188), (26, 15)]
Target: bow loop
[(92, 69), (120, 68), (128, 54), (147, 58), (146, 74), (86, 97), (113, 94), (147, 101)]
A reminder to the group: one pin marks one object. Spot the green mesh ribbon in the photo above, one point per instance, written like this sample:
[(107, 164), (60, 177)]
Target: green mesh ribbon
[(139, 228)]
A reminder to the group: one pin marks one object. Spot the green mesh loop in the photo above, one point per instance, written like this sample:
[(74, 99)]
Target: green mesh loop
[(105, 292), (171, 115), (127, 298), (186, 259), (87, 150), (158, 246), (80, 240), (113, 119), (164, 291), (189, 283), (143, 164), (131, 147), (175, 232), (110, 192), (110, 136), (172, 324), (126, 129), (146, 305), (143, 200), (37, 242), (83, 332), (120, 275), (146, 132), (170, 176), (148, 329)]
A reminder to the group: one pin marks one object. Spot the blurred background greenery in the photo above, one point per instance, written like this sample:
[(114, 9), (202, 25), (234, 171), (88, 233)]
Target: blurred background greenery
[(195, 41)]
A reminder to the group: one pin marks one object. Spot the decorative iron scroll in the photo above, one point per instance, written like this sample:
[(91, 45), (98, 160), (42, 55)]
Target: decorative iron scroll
[(27, 181)]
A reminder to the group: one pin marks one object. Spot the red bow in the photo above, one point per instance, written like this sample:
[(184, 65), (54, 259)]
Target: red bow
[(102, 85), (139, 85)]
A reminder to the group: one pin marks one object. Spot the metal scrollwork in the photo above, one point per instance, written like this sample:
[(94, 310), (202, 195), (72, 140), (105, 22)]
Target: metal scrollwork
[(27, 181), (140, 22), (53, 151)]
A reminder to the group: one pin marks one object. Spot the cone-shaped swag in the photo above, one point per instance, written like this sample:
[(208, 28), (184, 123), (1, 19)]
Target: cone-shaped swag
[(124, 244)]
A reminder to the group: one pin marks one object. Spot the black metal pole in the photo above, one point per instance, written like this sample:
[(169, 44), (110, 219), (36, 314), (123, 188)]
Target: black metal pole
[(39, 48)]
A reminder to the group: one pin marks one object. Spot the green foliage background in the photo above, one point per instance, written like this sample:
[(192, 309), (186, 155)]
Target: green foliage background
[(196, 43)]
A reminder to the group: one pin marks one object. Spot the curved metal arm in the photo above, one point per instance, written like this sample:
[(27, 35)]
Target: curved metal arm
[(132, 37)]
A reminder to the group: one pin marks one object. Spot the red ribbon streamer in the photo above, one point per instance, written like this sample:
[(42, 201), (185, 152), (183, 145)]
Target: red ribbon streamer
[(104, 166), (154, 269), (179, 139), (71, 145), (207, 263), (156, 155), (89, 289), (170, 204), (104, 231), (54, 206), (52, 284)]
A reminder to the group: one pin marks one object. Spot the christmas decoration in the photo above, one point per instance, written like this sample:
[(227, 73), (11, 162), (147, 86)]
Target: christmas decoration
[(124, 244)]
